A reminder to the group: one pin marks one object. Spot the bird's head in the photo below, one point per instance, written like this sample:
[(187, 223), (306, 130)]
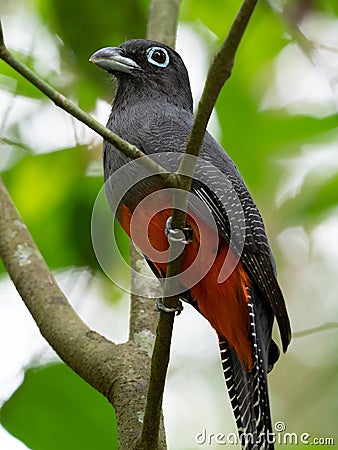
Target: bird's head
[(147, 70)]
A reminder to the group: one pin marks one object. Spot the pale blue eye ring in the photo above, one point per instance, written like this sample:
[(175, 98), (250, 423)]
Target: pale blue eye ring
[(158, 56)]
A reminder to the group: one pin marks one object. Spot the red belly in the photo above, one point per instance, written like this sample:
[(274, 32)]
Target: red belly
[(223, 304)]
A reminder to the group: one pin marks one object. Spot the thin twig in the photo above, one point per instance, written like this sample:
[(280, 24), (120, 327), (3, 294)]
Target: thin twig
[(325, 327), (219, 72)]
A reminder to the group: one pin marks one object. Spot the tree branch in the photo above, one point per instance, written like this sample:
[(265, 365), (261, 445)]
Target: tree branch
[(44, 299), (219, 72), (143, 318), (117, 371), (67, 105), (163, 21)]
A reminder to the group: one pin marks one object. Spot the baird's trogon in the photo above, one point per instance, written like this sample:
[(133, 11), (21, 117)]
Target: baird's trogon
[(153, 110)]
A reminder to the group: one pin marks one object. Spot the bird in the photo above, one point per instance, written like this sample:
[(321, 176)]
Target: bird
[(153, 110)]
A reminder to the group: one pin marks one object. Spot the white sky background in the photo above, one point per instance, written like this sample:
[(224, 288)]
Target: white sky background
[(192, 386)]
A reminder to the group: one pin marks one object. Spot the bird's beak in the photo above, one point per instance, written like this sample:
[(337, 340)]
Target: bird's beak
[(110, 58)]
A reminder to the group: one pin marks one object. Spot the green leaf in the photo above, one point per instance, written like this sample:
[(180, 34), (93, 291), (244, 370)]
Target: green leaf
[(55, 409)]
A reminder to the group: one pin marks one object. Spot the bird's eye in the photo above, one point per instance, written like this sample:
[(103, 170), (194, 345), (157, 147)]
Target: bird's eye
[(158, 56)]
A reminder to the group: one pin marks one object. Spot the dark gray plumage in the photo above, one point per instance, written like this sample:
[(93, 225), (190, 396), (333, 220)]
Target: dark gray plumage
[(152, 109)]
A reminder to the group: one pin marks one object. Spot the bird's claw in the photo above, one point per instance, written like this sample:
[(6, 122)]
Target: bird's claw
[(159, 306), (175, 235)]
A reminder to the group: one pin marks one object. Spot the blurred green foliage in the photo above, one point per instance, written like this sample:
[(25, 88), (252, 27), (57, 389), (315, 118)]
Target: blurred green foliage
[(56, 198), (83, 28), (55, 195), (55, 409)]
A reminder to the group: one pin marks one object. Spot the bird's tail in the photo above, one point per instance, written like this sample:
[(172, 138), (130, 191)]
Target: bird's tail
[(248, 391)]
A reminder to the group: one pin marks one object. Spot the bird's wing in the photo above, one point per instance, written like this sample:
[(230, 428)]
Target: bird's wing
[(255, 257), (219, 185)]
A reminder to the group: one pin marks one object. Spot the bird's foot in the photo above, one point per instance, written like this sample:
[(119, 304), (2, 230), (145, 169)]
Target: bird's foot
[(175, 235), (159, 306)]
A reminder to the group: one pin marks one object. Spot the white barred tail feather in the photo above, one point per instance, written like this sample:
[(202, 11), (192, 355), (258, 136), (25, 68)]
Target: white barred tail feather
[(248, 391)]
